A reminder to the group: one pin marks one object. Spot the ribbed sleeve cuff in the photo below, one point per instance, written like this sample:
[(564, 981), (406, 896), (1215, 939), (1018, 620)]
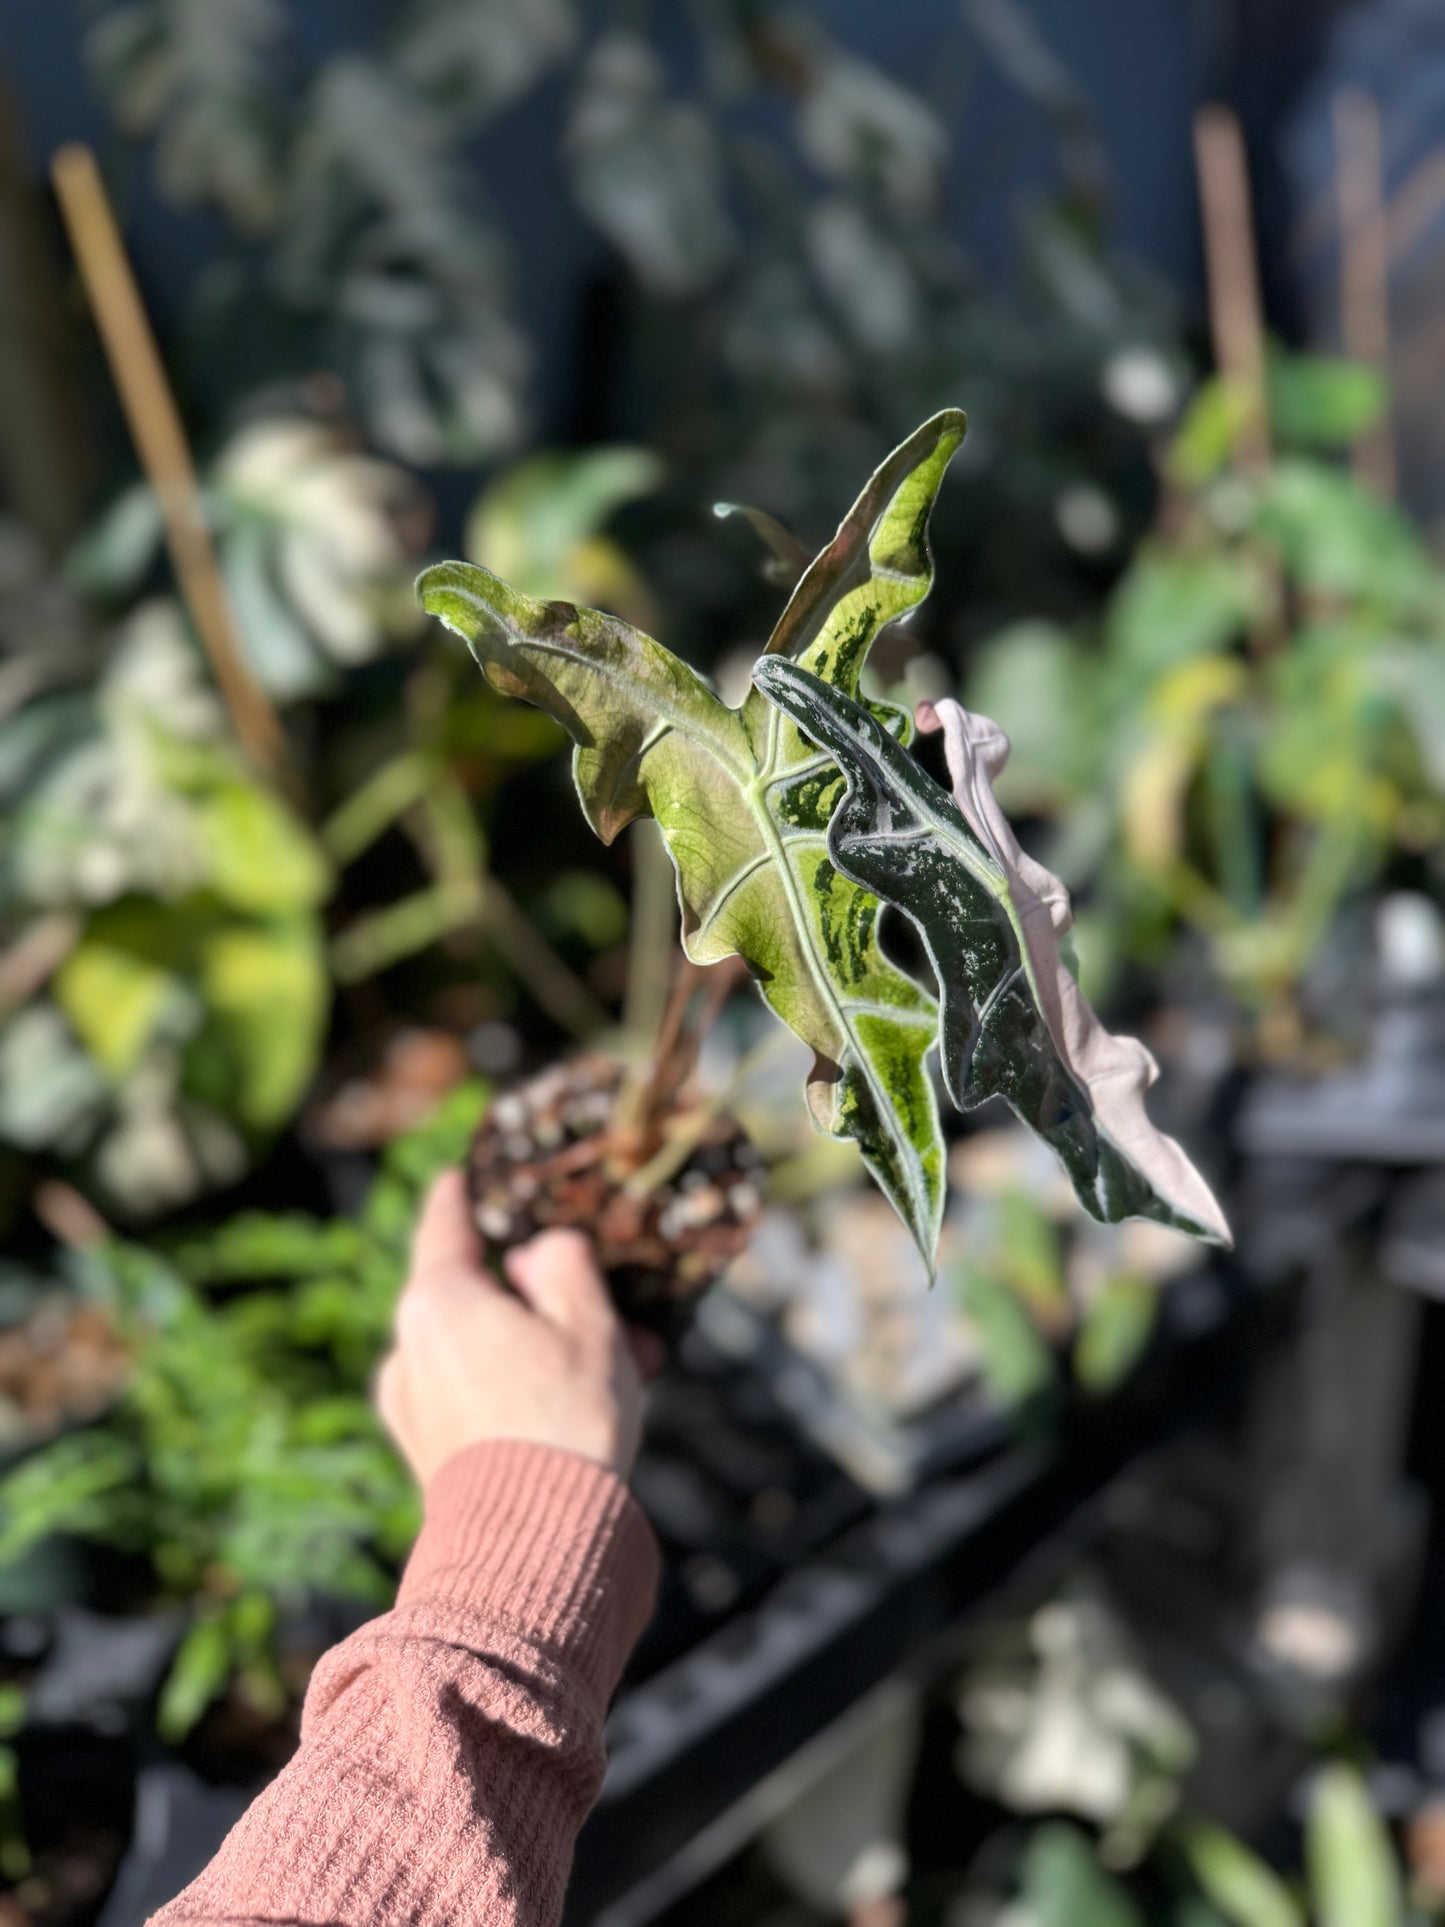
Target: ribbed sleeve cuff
[(551, 1541)]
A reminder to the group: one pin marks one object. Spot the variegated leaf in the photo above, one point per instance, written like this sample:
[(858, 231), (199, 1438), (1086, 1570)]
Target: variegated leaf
[(743, 801), (1013, 1021)]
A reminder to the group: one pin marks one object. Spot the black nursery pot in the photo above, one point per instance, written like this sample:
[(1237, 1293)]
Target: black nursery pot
[(549, 1152)]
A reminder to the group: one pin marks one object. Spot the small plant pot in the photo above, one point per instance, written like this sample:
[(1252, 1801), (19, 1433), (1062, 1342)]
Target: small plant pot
[(668, 1206)]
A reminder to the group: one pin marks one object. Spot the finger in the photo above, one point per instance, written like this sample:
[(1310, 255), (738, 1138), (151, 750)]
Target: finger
[(445, 1240), (556, 1274)]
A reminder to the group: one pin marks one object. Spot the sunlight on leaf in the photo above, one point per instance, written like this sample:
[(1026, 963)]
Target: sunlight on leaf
[(743, 801)]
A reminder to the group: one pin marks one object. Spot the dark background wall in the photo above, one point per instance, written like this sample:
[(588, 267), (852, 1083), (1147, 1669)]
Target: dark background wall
[(1141, 65)]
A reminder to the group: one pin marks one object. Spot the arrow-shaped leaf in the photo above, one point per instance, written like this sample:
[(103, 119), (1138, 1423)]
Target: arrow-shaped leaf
[(1014, 1022), (744, 802)]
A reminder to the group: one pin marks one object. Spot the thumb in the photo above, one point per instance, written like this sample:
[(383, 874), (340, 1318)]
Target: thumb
[(445, 1239)]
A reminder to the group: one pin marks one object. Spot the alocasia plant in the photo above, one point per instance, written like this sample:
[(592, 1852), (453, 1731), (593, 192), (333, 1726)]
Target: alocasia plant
[(748, 801)]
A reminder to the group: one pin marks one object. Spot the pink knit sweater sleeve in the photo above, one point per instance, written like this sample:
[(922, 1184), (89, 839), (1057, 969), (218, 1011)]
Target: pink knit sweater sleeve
[(451, 1749)]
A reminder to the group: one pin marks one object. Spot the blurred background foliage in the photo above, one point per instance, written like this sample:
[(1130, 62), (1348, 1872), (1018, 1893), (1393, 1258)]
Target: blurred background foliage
[(792, 298), (242, 1021), (1251, 734)]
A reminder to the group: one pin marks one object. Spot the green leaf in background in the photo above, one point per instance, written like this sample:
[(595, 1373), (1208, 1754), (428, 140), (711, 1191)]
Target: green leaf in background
[(243, 1458), (530, 522), (83, 1484), (1113, 1333), (1063, 1884), (1354, 1881), (1017, 1363), (1246, 1891), (1191, 1911), (115, 998), (267, 993), (1205, 440), (259, 855), (1014, 1023), (1322, 401), (1173, 605), (1314, 402), (1339, 540), (199, 1674), (1045, 690), (743, 801), (1028, 1242), (580, 903)]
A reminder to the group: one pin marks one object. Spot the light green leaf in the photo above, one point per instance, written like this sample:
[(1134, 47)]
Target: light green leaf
[(1014, 1022), (198, 1676), (1321, 401), (266, 987), (116, 998), (1339, 540), (1017, 1363), (1114, 1331), (530, 520), (1353, 1877), (1044, 689), (1246, 1891), (1206, 437), (259, 856), (1173, 605), (743, 802)]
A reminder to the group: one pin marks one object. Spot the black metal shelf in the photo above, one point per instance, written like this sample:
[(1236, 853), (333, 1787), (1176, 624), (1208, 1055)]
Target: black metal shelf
[(688, 1742)]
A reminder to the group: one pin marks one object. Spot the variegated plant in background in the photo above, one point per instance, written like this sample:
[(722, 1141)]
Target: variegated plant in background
[(791, 821)]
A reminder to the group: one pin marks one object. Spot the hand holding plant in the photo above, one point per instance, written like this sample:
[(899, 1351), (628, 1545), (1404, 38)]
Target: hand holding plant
[(547, 1362), (794, 819)]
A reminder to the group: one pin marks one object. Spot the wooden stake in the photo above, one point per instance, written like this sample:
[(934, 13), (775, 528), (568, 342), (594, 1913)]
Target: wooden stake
[(1364, 267), (1236, 320), (160, 443)]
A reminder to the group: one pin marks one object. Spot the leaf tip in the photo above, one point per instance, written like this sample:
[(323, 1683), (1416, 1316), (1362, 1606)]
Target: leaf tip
[(435, 584)]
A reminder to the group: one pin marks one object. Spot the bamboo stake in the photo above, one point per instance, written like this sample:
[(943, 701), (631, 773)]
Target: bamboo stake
[(1236, 320), (160, 443), (1364, 267)]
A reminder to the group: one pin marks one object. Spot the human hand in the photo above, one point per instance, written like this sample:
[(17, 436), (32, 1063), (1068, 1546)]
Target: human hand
[(471, 1361)]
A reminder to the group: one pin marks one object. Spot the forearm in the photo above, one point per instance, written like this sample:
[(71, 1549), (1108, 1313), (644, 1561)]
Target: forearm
[(451, 1750)]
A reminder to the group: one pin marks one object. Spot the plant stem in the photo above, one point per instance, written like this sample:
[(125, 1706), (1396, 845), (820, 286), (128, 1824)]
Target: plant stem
[(386, 937), (372, 809), (557, 989), (653, 936), (691, 1126), (375, 942)]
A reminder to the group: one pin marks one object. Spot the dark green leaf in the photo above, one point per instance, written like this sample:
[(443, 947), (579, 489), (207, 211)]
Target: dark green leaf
[(1014, 1023)]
